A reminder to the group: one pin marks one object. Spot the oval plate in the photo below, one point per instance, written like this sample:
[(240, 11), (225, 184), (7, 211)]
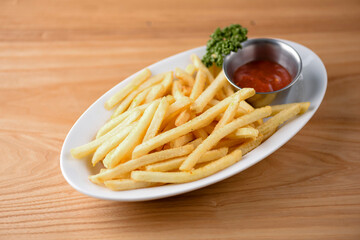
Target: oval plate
[(311, 88)]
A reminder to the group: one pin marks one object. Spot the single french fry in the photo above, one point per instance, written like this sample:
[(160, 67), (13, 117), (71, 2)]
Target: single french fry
[(110, 144), (173, 164), (109, 156), (127, 184), (180, 177), (229, 143), (157, 119), (196, 142), (184, 76), (120, 177), (199, 85), (199, 65), (190, 69), (135, 137), (119, 96), (250, 145), (167, 82), (170, 99), (142, 161), (273, 123), (304, 106), (139, 99), (177, 90), (156, 92), (200, 133), (181, 141), (89, 148), (183, 117), (257, 123), (213, 102), (245, 132), (244, 108), (218, 134), (209, 93), (196, 123), (229, 113), (220, 95)]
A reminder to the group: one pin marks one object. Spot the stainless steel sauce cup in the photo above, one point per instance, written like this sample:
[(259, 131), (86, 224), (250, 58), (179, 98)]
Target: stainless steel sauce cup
[(264, 49)]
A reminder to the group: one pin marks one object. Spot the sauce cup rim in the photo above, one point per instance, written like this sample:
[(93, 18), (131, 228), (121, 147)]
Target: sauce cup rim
[(251, 41)]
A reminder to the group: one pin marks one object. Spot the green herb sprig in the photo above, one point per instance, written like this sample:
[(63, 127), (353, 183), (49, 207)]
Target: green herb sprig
[(223, 42)]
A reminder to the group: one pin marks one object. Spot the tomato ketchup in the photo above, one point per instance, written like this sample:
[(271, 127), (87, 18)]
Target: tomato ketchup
[(262, 75)]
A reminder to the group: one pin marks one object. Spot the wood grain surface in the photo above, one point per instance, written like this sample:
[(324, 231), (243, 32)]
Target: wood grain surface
[(58, 57)]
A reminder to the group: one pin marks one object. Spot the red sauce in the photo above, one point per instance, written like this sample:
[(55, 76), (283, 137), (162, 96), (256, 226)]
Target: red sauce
[(263, 76)]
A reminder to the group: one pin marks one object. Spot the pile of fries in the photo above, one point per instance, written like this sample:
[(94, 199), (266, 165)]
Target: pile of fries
[(178, 127)]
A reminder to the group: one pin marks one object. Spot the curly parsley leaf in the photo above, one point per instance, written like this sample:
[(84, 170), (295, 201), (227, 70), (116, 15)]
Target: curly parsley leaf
[(222, 42)]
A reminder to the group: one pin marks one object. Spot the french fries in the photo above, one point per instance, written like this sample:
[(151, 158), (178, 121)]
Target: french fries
[(190, 69), (199, 65), (183, 117), (229, 113), (209, 93), (139, 99), (192, 125), (179, 126), (174, 164), (184, 76), (119, 96), (135, 137), (177, 90), (89, 148), (270, 126), (127, 184), (142, 161), (126, 117), (181, 140), (200, 133), (155, 92), (110, 144), (181, 177), (245, 132), (228, 89), (218, 134), (157, 120), (304, 106)]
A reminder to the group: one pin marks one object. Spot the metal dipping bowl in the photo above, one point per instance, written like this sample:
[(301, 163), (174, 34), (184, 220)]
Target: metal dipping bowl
[(264, 49)]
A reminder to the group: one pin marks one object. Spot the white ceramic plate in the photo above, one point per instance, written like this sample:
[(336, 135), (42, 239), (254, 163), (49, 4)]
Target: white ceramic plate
[(311, 88)]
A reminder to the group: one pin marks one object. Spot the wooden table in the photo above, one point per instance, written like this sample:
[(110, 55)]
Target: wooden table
[(57, 57)]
